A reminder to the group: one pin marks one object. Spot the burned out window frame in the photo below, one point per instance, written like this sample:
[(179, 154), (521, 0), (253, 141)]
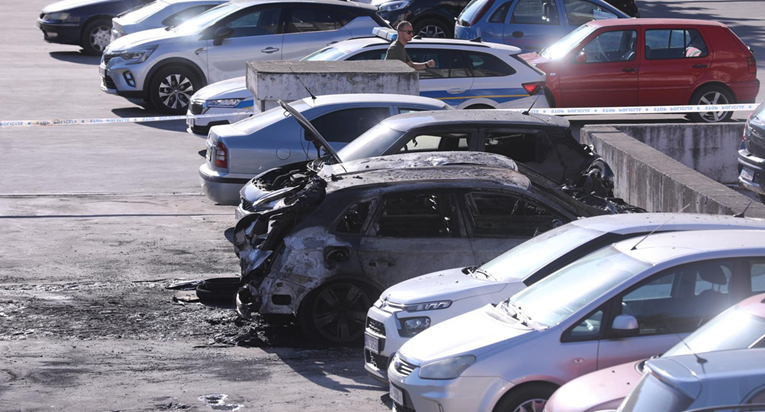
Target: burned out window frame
[(373, 201), (467, 212), (458, 226), (473, 138), (485, 130)]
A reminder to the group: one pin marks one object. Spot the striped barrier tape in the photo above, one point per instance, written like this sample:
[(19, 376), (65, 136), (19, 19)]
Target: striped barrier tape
[(5, 124)]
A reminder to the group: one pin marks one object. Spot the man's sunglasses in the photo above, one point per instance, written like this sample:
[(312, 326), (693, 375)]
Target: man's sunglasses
[(407, 31)]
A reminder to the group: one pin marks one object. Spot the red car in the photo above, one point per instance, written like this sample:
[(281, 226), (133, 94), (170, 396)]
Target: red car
[(649, 62)]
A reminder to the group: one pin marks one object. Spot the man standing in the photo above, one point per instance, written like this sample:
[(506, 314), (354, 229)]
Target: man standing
[(396, 50)]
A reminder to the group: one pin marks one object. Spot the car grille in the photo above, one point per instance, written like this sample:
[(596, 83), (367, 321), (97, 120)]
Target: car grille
[(376, 327), (246, 205), (107, 57), (378, 361), (403, 368), (109, 83), (196, 108)]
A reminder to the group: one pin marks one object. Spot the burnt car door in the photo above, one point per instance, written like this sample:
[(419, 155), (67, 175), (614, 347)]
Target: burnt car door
[(498, 221), (413, 233)]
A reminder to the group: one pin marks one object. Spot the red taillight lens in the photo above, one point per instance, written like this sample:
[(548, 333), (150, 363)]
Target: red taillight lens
[(533, 88), (221, 156), (751, 63), (481, 12)]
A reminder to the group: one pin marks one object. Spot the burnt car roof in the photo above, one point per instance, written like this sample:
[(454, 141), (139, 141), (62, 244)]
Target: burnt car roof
[(412, 120)]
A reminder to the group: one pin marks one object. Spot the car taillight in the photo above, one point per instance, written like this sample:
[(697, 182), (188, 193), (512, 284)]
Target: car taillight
[(533, 88), (751, 63), (481, 12), (221, 156)]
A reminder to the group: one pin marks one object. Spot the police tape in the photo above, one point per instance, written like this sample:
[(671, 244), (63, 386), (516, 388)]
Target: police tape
[(5, 124)]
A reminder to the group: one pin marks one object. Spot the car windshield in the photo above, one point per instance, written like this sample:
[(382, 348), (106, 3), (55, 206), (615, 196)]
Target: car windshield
[(327, 54), (653, 395), (732, 329), (563, 46), (206, 19), (525, 259), (370, 144), (141, 14), (571, 288), (472, 9)]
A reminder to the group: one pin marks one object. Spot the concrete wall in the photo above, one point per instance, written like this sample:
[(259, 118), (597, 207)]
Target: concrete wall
[(274, 80), (710, 149), (650, 179)]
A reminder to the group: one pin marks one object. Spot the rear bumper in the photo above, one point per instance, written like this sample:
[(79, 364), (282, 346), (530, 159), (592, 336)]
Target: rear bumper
[(221, 188), (746, 92)]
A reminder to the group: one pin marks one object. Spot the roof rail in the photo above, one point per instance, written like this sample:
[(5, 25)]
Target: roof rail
[(476, 40)]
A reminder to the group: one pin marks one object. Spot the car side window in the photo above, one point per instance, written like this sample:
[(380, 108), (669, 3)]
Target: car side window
[(433, 142), (344, 125), (535, 12), (674, 44), (611, 46), (183, 15), (503, 215), (486, 65), (588, 328), (757, 275), (311, 19), (521, 146), (353, 219), (369, 55), (447, 63), (680, 299), (500, 14), (415, 215), (579, 12), (258, 22)]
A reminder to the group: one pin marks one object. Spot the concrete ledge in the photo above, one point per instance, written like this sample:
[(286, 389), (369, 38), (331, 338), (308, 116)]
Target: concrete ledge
[(650, 179)]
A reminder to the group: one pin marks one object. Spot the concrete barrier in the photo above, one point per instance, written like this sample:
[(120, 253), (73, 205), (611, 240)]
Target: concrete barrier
[(650, 179), (284, 80), (710, 149)]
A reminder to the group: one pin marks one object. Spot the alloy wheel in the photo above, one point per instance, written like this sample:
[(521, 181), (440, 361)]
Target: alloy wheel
[(100, 37), (432, 31), (713, 97), (532, 405), (339, 312), (175, 91)]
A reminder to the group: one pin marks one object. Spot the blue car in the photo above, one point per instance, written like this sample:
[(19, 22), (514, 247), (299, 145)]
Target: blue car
[(529, 24)]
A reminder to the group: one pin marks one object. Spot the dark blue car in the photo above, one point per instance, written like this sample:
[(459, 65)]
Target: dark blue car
[(529, 24), (87, 23), (751, 154)]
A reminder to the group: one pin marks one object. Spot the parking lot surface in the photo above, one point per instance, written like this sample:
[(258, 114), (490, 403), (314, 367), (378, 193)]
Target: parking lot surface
[(98, 219)]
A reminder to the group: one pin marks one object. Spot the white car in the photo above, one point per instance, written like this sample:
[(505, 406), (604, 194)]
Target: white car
[(160, 13), (624, 302), (414, 305), (467, 74), (238, 152)]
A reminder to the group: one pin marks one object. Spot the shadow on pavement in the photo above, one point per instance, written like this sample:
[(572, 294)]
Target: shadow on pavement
[(76, 57), (174, 125)]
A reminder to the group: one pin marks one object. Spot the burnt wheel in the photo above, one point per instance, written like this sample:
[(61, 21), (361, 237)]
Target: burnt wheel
[(336, 313), (171, 89), (96, 36)]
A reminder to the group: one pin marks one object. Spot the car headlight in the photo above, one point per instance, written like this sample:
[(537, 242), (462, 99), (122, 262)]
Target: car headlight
[(57, 16), (136, 56), (224, 102), (395, 5), (441, 304), (446, 368), (413, 326)]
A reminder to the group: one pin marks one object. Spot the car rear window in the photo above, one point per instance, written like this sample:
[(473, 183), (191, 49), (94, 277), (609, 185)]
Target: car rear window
[(486, 65), (674, 44)]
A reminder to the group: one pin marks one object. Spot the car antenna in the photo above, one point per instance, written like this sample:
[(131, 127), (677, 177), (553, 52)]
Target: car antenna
[(699, 359), (659, 227), (304, 86), (743, 211), (527, 111)]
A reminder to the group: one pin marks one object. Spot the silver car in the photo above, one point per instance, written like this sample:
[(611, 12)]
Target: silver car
[(624, 302), (160, 13), (238, 152), (166, 67)]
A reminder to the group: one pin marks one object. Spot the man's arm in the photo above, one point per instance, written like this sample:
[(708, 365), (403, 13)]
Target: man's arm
[(421, 66)]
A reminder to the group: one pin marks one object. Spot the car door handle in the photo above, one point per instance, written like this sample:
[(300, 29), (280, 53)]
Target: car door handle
[(700, 66), (517, 34), (270, 50), (200, 50), (629, 69), (456, 91)]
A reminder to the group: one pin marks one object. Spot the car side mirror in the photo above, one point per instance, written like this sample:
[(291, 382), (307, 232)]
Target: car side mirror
[(581, 57), (222, 33), (625, 326)]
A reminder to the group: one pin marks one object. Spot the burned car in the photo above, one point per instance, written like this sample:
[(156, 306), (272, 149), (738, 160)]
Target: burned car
[(543, 144), (323, 246)]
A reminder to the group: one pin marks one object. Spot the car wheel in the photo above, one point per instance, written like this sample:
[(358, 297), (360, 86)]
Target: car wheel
[(336, 313), (433, 28), (528, 398), (711, 95), (171, 89), (96, 36)]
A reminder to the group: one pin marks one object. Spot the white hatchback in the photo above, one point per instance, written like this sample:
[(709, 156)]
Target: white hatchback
[(408, 308), (624, 302)]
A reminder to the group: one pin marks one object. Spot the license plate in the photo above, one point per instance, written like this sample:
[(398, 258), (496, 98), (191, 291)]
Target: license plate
[(102, 71), (396, 394), (372, 343), (747, 174)]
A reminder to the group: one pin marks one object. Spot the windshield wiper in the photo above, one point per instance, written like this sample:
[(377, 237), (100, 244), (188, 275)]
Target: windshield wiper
[(472, 270), (517, 313)]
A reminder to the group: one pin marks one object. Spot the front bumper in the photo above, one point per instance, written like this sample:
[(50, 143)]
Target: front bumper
[(121, 79), (228, 115), (466, 393), (382, 326), (61, 33), (220, 187), (751, 171)]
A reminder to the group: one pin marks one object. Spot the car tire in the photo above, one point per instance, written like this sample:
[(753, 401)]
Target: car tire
[(530, 397), (96, 36), (433, 28), (711, 95), (335, 313), (171, 88)]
